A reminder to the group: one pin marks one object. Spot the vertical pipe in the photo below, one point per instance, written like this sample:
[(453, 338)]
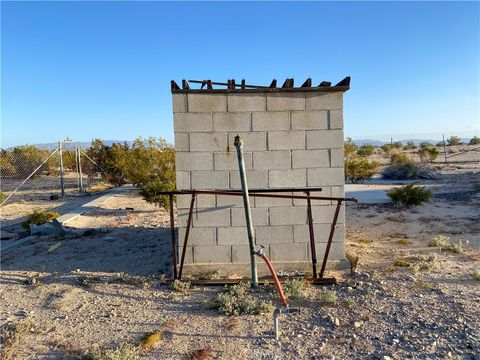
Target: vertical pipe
[(172, 233), (62, 184), (246, 205), (312, 236), (445, 148), (80, 174), (187, 233), (330, 237), (276, 313)]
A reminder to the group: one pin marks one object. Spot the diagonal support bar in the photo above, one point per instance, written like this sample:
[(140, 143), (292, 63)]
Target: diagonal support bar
[(330, 237), (187, 233)]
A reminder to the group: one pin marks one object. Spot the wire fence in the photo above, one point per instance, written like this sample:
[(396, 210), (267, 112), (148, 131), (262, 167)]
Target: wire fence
[(29, 173)]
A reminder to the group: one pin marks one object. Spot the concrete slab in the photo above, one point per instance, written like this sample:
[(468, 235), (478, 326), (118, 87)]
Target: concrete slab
[(368, 194)]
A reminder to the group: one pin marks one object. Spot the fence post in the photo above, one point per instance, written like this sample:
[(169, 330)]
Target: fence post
[(80, 175), (445, 148), (62, 184)]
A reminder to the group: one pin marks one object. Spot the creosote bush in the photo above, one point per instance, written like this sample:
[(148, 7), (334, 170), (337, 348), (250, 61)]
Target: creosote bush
[(180, 286), (2, 197), (428, 154), (476, 275), (366, 150), (328, 298), (357, 168), (236, 300), (296, 289), (38, 217), (409, 195), (441, 241), (474, 141)]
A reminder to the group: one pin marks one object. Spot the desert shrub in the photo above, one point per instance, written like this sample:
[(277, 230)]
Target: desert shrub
[(409, 195), (11, 335), (150, 340), (440, 143), (123, 352), (476, 275), (454, 140), (474, 141), (389, 148), (457, 248), (358, 169), (296, 289), (401, 263), (38, 217), (441, 241), (405, 170), (23, 160), (399, 158), (2, 197), (410, 146), (425, 144), (366, 150), (350, 147), (236, 300), (180, 286), (328, 298), (428, 154), (476, 187), (6, 167)]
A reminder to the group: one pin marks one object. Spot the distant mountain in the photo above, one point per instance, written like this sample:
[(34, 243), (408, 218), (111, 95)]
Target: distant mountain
[(404, 142), (71, 145)]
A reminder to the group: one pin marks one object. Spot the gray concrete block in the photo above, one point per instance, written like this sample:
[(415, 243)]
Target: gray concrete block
[(337, 252), (325, 176), (212, 254), (310, 159), (197, 236), (193, 161), (183, 180), (208, 142), (324, 214), (285, 101), (274, 234), (228, 160), (210, 180), (229, 201), (256, 179), (208, 103), (269, 160), (232, 236), (288, 252), (188, 122), (288, 215), (188, 254), (252, 141), (259, 216), (335, 119), (203, 201), (301, 233), (211, 217), (272, 120), (324, 139), (310, 120), (287, 178), (246, 102), (338, 191), (337, 157), (241, 254), (182, 142), (286, 140), (261, 202), (232, 121), (324, 101), (179, 103)]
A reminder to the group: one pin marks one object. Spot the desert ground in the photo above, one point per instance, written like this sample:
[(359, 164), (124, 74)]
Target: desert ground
[(105, 286)]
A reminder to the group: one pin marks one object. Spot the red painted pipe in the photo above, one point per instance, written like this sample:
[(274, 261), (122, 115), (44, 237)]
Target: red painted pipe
[(275, 278)]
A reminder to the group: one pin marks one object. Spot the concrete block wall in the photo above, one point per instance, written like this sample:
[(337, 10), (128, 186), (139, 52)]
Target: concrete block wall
[(291, 139)]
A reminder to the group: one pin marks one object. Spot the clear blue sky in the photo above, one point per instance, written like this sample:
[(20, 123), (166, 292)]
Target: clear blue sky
[(103, 69)]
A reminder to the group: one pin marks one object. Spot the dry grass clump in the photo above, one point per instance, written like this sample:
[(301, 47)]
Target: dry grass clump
[(11, 335), (401, 263), (125, 351), (328, 298), (476, 275), (296, 289), (150, 340), (180, 286), (441, 241), (353, 259), (209, 275), (404, 242), (236, 300), (201, 354), (39, 217)]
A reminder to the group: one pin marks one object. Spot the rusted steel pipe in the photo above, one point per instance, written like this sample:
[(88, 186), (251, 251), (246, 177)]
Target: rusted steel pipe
[(312, 236), (330, 237), (274, 276), (172, 234), (187, 233)]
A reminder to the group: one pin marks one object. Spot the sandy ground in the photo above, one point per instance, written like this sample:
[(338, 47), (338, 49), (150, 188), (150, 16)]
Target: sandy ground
[(105, 288)]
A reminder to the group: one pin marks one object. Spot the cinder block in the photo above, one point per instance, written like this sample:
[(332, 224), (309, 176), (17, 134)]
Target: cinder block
[(269, 160), (325, 176), (335, 119), (287, 178), (229, 201), (181, 142), (188, 254), (187, 122), (202, 201), (252, 141), (268, 121), (259, 216), (285, 101), (337, 252), (241, 253), (182, 217), (286, 140), (261, 202), (228, 160), (310, 159), (212, 254), (211, 217), (208, 103), (288, 215), (310, 120), (197, 236), (324, 101), (274, 234), (288, 252), (179, 103), (324, 139), (257, 179), (210, 180), (208, 142), (246, 102), (232, 236), (232, 121), (183, 180), (301, 233), (193, 161), (326, 191), (338, 191), (324, 214), (337, 157)]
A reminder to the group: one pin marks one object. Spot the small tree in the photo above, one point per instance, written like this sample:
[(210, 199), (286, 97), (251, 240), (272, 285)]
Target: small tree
[(350, 147), (453, 141), (358, 168), (474, 141), (409, 195), (410, 146), (428, 154), (366, 150)]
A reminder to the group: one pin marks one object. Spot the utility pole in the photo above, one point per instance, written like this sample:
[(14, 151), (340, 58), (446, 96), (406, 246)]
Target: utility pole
[(62, 184), (445, 148)]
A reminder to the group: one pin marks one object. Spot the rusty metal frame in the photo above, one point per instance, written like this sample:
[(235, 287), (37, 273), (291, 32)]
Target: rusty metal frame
[(258, 193)]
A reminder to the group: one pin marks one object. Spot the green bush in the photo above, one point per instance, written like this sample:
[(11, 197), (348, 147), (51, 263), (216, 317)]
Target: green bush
[(409, 146), (39, 217), (409, 195), (428, 154), (296, 289), (425, 144), (404, 168), (2, 197), (366, 150), (399, 158), (474, 141), (236, 300), (350, 147), (454, 140), (358, 169)]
